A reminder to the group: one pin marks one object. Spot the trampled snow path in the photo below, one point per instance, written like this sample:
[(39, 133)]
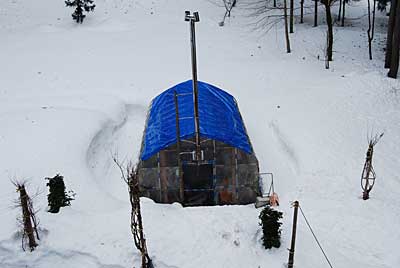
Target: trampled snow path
[(121, 139)]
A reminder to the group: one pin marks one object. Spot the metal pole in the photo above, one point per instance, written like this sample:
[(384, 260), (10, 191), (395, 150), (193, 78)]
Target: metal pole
[(293, 243), (193, 19), (178, 148)]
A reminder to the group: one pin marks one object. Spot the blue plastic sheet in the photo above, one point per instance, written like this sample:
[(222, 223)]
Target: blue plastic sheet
[(219, 118)]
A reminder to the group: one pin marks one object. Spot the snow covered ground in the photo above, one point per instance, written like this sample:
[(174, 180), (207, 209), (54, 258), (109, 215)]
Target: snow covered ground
[(71, 96)]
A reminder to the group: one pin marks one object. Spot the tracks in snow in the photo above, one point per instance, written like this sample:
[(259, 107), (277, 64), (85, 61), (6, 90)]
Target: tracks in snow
[(120, 138)]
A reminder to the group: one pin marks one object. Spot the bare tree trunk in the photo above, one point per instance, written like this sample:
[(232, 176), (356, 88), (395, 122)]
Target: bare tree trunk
[(344, 12), (301, 10), (373, 19), (329, 23), (371, 27), (369, 30), (291, 15), (394, 62), (340, 10), (315, 13), (389, 38), (326, 51), (286, 26)]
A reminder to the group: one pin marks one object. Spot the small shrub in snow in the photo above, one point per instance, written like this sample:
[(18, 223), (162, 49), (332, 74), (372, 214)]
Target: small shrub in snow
[(57, 197), (271, 227), (81, 5)]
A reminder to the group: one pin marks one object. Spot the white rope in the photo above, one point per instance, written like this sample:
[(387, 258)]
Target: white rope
[(315, 237)]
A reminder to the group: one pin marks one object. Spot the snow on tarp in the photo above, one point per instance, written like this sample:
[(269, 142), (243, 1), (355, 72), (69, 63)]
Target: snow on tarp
[(219, 118)]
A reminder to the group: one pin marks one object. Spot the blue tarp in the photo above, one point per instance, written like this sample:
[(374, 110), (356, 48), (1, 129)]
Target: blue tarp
[(219, 118)]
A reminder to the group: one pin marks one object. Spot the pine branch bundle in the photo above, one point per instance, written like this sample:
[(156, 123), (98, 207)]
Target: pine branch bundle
[(57, 196), (271, 227)]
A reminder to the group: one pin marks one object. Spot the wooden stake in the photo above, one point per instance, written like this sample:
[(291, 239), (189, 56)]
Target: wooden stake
[(178, 149), (293, 243), (27, 217)]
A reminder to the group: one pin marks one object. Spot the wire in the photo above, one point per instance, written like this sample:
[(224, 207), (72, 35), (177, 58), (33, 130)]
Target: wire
[(315, 237)]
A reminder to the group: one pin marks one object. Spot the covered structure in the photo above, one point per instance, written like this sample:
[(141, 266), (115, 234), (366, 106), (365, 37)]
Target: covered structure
[(169, 171)]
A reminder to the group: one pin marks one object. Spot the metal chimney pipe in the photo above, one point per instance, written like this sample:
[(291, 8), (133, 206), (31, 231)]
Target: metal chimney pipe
[(193, 19)]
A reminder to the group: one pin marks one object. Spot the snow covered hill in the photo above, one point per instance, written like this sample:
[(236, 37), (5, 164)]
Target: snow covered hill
[(71, 96)]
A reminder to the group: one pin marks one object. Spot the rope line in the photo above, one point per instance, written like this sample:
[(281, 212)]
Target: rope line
[(315, 237)]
